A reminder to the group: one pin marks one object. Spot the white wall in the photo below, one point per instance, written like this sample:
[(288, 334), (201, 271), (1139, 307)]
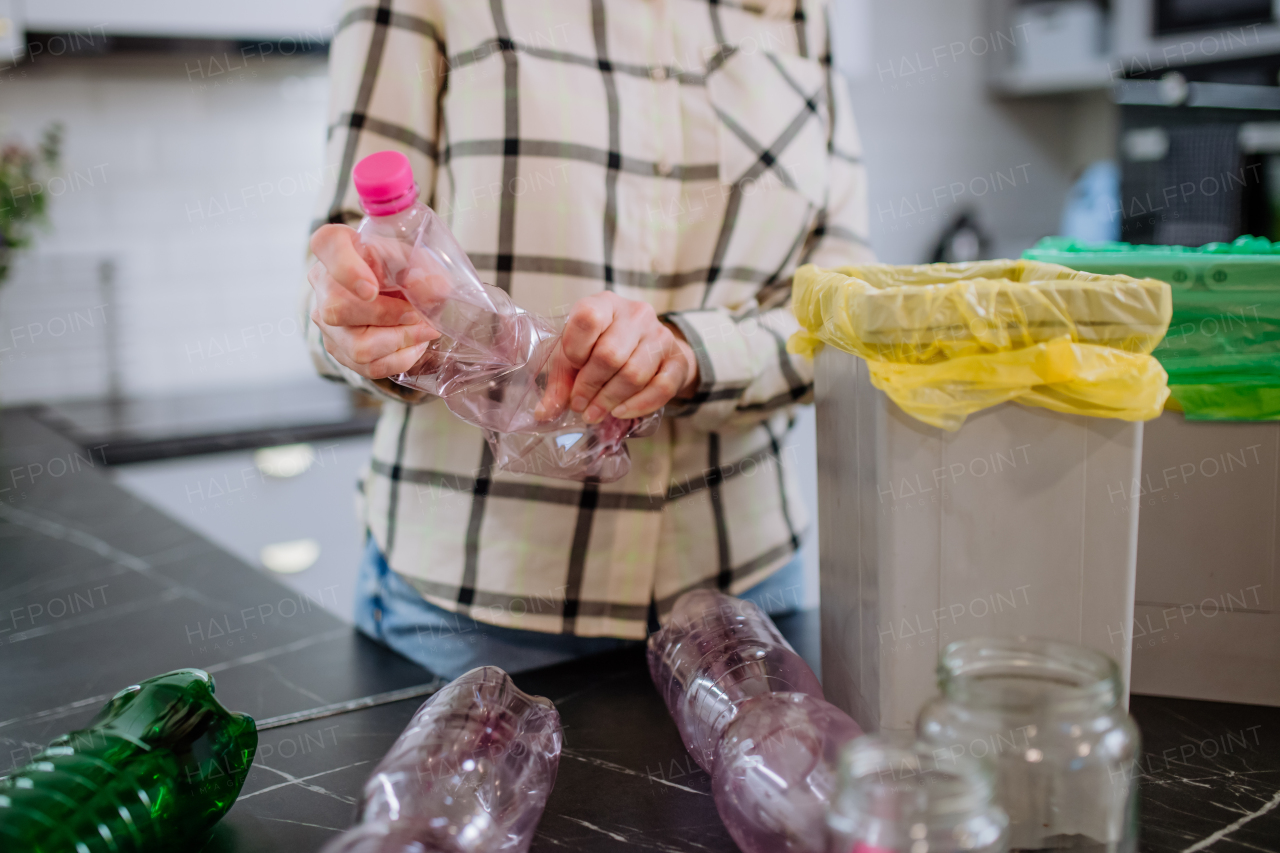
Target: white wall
[(199, 187), (933, 136)]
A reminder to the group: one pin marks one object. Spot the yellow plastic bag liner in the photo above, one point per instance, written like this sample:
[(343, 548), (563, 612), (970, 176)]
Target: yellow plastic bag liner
[(947, 340)]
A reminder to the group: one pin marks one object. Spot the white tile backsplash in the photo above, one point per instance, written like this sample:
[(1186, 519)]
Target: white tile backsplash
[(53, 328), (201, 195)]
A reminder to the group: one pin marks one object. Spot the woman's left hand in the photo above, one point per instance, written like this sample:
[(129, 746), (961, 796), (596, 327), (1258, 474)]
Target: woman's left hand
[(618, 358)]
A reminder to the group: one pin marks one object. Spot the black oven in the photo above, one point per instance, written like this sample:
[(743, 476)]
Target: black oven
[(1205, 172), (1178, 16)]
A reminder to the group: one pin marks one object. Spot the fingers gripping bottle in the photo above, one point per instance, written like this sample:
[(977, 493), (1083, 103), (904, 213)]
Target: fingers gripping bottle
[(751, 713), (470, 774), (158, 766), (494, 361)]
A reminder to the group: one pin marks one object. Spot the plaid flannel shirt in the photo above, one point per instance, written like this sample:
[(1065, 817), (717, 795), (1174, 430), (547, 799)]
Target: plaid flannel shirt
[(688, 153)]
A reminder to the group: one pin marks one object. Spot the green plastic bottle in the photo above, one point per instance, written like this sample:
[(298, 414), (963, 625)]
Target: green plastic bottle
[(159, 765)]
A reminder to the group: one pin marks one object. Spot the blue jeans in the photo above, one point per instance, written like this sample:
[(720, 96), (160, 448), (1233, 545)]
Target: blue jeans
[(390, 610)]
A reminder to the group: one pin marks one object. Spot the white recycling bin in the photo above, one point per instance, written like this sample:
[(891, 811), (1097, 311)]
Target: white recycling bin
[(1011, 525), (1207, 617)]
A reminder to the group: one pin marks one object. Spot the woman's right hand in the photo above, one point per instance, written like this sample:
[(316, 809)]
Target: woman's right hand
[(375, 335)]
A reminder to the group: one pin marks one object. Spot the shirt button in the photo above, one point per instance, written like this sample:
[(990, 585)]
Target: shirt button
[(658, 73), (665, 168)]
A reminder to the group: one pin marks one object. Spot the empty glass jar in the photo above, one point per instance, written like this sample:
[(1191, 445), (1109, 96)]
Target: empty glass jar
[(897, 797), (1047, 717)]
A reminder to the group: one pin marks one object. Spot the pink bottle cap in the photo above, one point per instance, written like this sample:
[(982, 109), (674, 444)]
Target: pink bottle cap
[(385, 183)]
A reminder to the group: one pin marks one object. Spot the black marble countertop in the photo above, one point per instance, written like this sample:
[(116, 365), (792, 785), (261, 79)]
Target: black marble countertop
[(118, 432), (99, 590)]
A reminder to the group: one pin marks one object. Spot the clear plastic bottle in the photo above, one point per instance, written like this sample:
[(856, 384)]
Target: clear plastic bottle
[(775, 771), (1048, 717), (470, 774), (494, 360), (157, 767), (751, 713), (894, 796)]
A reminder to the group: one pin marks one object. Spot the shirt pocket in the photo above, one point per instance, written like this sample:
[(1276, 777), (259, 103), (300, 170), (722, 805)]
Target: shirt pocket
[(773, 121)]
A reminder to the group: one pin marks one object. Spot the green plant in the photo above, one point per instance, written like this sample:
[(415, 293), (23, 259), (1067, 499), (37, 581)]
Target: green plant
[(22, 192)]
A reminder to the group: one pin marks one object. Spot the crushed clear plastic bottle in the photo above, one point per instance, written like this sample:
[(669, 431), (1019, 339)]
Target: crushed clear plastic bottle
[(470, 774), (493, 363), (751, 713)]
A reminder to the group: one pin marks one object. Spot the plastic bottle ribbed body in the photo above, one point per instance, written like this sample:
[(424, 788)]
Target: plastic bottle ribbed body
[(751, 713), (159, 765)]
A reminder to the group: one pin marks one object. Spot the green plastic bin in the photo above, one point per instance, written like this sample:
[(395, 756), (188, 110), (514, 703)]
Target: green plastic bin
[(1222, 352)]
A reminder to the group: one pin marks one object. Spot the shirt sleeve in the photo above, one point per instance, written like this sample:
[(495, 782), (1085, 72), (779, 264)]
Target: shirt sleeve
[(745, 371), (387, 67)]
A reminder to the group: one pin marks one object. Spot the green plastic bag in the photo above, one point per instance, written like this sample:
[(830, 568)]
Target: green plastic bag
[(1222, 352)]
